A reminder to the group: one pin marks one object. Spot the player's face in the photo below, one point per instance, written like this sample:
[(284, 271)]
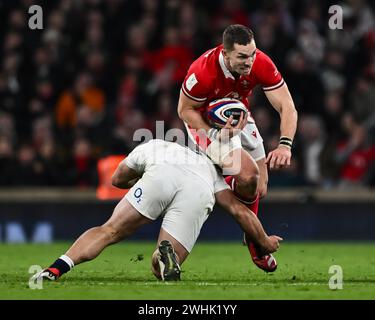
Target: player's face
[(241, 58)]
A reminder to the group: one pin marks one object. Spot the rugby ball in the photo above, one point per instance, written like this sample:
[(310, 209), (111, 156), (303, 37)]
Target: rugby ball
[(219, 111)]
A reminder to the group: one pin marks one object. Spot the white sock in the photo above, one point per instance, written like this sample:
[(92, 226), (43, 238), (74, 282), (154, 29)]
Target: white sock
[(67, 260)]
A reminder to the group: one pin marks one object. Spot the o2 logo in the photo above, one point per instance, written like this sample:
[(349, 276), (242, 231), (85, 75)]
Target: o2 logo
[(138, 193)]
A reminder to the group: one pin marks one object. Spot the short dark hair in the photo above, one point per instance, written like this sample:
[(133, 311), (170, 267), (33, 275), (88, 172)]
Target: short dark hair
[(236, 33)]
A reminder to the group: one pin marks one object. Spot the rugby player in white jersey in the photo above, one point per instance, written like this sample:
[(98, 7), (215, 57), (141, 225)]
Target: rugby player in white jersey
[(170, 181)]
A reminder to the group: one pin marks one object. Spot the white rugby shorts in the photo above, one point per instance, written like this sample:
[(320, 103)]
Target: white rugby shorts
[(184, 200)]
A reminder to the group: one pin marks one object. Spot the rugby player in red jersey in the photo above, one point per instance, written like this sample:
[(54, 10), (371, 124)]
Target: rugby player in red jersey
[(233, 69)]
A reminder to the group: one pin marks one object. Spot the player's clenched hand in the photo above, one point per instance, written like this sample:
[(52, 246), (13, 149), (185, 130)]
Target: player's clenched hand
[(278, 158), (229, 131), (273, 244)]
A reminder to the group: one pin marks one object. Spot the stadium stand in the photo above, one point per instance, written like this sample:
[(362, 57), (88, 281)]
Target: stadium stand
[(77, 90)]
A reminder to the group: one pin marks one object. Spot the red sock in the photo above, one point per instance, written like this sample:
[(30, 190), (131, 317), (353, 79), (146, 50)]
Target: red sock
[(252, 204)]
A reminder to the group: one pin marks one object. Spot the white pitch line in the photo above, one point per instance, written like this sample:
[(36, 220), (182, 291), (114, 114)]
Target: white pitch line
[(230, 284)]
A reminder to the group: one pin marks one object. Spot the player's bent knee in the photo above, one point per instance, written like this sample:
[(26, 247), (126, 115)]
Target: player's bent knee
[(249, 180)]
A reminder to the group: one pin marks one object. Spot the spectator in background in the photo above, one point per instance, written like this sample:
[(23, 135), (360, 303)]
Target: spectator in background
[(12, 82), (124, 132), (188, 26), (169, 64), (311, 43), (312, 139), (44, 68), (164, 109), (304, 83), (7, 166), (333, 110), (28, 171), (84, 98), (13, 42), (355, 155), (332, 71), (7, 127), (358, 19), (362, 101), (274, 27), (53, 171), (231, 11), (83, 169), (41, 132)]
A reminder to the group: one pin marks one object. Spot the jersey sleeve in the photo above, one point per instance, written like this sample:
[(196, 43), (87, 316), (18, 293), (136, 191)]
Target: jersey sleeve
[(195, 86), (136, 159), (220, 184), (268, 76)]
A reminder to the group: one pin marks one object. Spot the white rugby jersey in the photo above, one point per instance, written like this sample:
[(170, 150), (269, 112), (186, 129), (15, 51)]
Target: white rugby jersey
[(169, 154)]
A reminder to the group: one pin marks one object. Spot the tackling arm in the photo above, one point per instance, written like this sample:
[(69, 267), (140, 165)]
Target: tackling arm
[(247, 220), (124, 177)]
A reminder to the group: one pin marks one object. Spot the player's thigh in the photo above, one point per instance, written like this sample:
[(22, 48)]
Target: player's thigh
[(126, 219), (143, 203), (239, 163), (187, 213), (252, 141), (152, 194), (263, 177)]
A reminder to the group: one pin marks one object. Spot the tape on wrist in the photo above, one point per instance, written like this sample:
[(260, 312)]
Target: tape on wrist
[(212, 133), (286, 144), (284, 138)]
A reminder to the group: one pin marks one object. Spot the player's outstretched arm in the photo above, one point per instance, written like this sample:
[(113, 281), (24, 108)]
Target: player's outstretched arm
[(282, 101), (124, 177), (248, 221)]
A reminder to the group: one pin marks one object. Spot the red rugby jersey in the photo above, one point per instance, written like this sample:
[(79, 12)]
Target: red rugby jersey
[(209, 79)]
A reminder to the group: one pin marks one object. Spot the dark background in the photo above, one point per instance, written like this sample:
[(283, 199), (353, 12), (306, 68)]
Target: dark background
[(77, 90)]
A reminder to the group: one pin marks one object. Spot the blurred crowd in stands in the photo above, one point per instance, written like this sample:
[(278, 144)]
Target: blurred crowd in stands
[(101, 69)]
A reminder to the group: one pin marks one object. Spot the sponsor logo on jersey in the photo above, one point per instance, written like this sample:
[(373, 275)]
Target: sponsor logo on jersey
[(138, 193), (191, 82)]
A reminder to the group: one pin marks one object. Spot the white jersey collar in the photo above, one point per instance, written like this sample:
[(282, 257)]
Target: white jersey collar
[(226, 72)]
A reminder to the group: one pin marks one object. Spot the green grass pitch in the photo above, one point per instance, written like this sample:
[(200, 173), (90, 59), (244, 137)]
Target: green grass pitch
[(213, 271)]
